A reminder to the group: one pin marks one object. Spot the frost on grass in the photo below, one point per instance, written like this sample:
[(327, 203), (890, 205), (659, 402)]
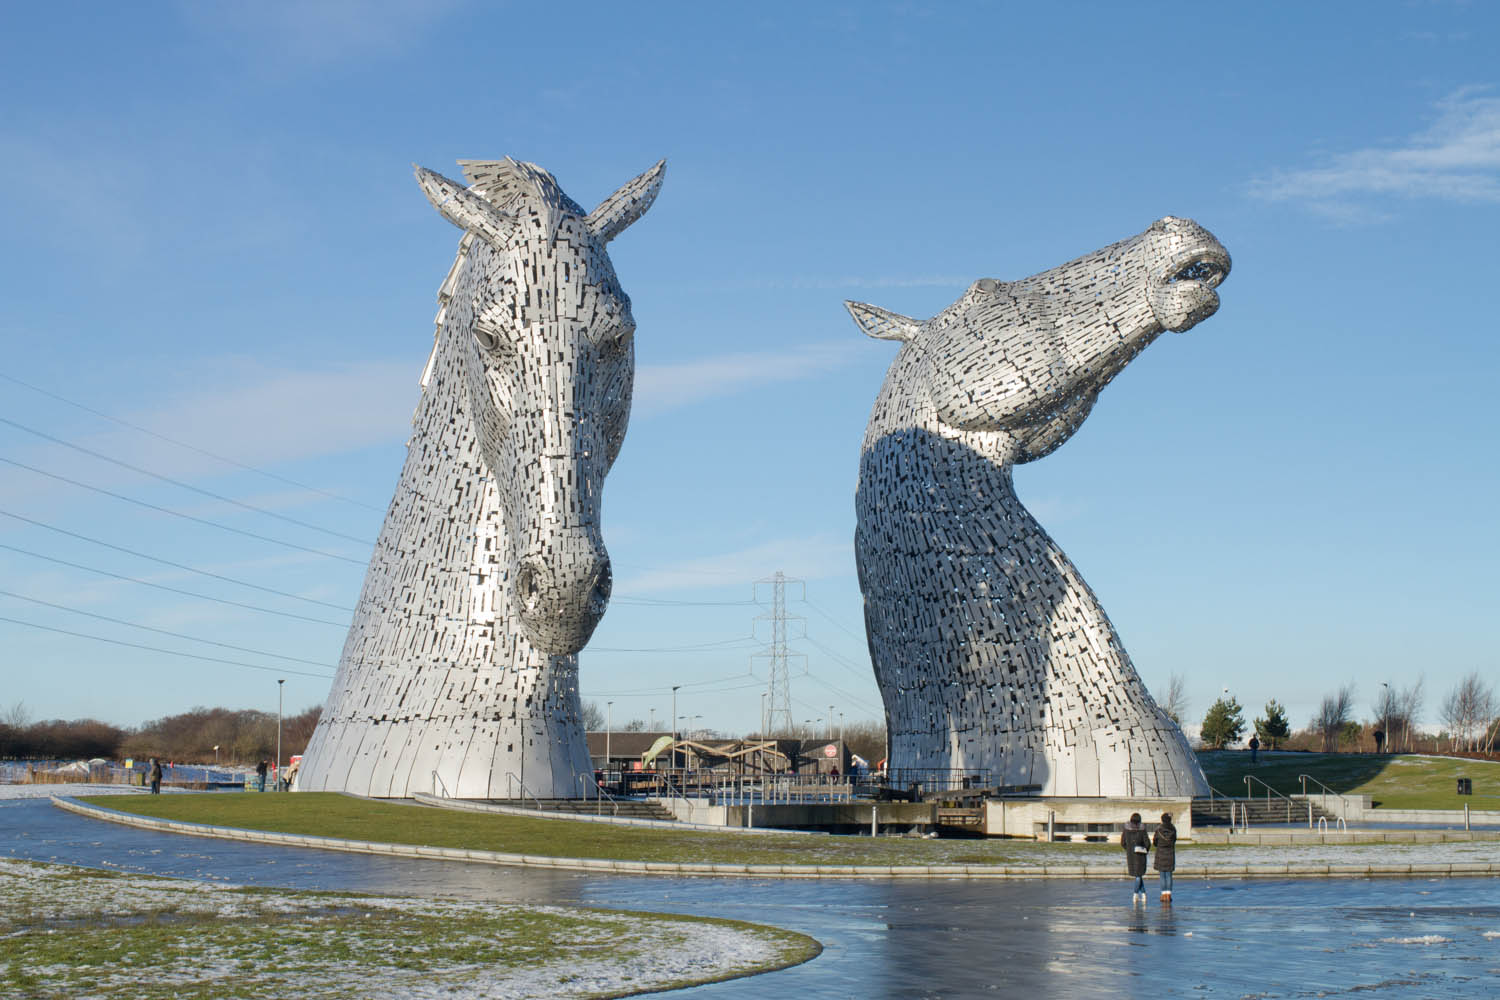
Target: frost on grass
[(74, 932)]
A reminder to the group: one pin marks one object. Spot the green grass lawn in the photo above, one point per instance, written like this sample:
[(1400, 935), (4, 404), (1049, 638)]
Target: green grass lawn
[(324, 814), (1393, 781)]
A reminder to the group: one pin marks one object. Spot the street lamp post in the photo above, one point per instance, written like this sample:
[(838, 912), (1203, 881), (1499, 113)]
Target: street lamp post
[(1385, 715), (609, 707), (216, 755), (830, 723), (279, 688), (764, 725), (674, 723)]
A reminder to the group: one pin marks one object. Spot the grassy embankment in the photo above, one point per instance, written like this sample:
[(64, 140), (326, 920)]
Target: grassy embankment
[(74, 932), (1393, 781), (323, 814)]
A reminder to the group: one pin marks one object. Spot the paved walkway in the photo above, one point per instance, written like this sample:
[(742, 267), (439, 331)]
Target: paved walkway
[(1298, 869)]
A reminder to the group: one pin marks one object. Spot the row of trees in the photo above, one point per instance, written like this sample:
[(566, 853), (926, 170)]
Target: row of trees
[(1469, 713), (242, 736)]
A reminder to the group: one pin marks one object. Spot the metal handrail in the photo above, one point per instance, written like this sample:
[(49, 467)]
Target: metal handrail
[(599, 790), (524, 790), (1343, 802), (437, 782), (1269, 792)]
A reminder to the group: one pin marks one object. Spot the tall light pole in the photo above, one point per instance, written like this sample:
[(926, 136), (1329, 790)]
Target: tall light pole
[(674, 723), (279, 688), (609, 707), (830, 723), (763, 725), (1385, 715)]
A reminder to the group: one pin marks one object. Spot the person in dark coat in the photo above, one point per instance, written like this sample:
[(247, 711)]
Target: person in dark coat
[(155, 776), (1165, 841), (261, 769), (1133, 839)]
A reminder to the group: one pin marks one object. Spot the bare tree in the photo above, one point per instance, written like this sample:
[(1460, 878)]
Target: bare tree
[(1175, 704), (1410, 706), (593, 717), (1333, 714), (1396, 711), (17, 716), (1467, 711)]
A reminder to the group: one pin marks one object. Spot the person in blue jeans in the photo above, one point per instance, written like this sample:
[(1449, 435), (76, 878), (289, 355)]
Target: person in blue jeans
[(1165, 842), (1133, 839), (261, 769)]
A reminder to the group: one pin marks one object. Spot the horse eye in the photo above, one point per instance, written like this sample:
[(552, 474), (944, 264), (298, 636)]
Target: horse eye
[(492, 340)]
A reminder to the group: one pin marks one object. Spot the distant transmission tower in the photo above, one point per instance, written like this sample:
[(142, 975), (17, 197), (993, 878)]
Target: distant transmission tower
[(777, 713)]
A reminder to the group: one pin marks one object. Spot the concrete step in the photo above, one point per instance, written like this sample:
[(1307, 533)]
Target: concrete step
[(1216, 811), (626, 808)]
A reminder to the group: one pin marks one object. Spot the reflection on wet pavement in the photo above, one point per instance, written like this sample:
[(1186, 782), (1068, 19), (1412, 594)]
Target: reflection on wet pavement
[(943, 938)]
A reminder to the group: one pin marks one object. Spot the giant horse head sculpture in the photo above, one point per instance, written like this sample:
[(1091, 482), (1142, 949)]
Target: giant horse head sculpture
[(1027, 358), (548, 375)]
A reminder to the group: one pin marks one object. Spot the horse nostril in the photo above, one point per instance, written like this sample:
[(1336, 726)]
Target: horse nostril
[(603, 584), (528, 586)]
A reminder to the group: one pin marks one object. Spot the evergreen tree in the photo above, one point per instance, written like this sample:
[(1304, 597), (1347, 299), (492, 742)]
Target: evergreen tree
[(1274, 727), (1223, 723)]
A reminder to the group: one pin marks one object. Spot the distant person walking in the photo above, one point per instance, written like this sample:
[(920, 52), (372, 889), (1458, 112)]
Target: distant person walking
[(261, 769), (155, 776), (1133, 839), (1254, 748), (1165, 841)]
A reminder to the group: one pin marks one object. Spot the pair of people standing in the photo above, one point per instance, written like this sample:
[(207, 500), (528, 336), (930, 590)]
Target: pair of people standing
[(1138, 846)]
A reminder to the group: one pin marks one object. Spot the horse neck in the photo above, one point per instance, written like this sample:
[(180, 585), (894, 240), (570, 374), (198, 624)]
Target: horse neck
[(462, 537), (974, 461)]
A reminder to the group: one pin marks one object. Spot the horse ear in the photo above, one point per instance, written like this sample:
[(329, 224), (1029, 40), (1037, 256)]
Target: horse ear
[(465, 209), (626, 205), (882, 324)]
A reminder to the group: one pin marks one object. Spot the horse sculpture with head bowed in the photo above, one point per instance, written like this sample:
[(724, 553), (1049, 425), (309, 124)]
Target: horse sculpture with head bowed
[(992, 654), (460, 675)]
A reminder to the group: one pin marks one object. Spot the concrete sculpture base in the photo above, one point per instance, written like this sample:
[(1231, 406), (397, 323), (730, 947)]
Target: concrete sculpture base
[(990, 651), (460, 673)]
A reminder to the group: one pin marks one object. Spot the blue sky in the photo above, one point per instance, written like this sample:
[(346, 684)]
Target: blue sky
[(209, 229)]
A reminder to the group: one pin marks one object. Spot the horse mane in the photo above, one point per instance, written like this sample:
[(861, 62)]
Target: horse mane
[(517, 188)]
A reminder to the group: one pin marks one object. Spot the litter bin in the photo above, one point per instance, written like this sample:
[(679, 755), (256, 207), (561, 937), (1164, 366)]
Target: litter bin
[(1466, 786)]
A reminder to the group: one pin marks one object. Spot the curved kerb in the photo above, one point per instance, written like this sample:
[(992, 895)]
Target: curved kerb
[(470, 805), (1460, 869)]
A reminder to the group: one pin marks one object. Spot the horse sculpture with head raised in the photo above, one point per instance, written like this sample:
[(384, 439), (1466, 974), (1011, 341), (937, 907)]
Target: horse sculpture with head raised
[(992, 654), (460, 673)]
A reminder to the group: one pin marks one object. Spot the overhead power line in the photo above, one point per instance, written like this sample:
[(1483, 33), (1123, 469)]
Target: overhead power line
[(189, 447), (180, 484), (171, 590), (174, 565), (694, 648), (168, 652), (836, 623), (656, 602), (160, 631), (186, 517)]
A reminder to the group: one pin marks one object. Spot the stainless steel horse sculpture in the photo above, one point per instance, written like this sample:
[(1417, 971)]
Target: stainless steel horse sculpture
[(991, 652), (460, 673)]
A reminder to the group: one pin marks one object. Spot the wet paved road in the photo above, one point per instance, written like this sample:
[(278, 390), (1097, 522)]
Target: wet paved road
[(1236, 938)]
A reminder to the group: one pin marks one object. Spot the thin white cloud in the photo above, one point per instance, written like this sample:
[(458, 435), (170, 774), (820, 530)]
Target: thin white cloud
[(668, 386), (809, 557), (1456, 159), (845, 282), (257, 416), (317, 32)]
